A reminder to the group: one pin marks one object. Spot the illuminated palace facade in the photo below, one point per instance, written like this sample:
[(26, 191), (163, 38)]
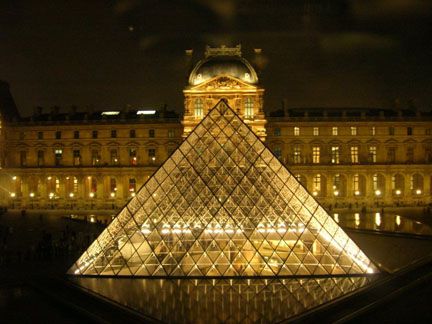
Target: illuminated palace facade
[(351, 157)]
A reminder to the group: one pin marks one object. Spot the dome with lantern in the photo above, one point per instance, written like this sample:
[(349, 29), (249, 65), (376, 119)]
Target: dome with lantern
[(223, 61)]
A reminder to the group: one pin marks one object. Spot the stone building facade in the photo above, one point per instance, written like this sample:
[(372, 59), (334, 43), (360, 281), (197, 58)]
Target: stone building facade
[(98, 160)]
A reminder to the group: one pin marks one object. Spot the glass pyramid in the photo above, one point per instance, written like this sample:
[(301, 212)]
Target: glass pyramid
[(222, 205)]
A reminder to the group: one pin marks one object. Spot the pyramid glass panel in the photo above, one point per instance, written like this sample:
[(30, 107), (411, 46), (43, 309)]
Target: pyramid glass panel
[(222, 205)]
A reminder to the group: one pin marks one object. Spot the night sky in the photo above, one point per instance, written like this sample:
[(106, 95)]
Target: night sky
[(110, 54)]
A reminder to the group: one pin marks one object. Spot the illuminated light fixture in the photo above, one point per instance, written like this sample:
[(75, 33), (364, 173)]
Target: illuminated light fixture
[(89, 177), (112, 194), (91, 194), (71, 195), (67, 178), (377, 192), (14, 178), (153, 158), (418, 192), (357, 193), (398, 192), (175, 223), (357, 219), (377, 219), (315, 193), (336, 193), (32, 194), (110, 113), (12, 194), (146, 112), (133, 194), (398, 220), (336, 217), (51, 195), (92, 219), (49, 178)]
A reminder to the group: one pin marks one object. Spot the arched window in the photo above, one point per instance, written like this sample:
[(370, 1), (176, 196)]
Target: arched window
[(198, 111), (249, 112)]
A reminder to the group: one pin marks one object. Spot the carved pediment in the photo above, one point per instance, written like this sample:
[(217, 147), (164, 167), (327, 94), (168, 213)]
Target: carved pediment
[(223, 83)]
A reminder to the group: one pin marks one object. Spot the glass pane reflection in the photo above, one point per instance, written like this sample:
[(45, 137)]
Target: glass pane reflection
[(222, 300)]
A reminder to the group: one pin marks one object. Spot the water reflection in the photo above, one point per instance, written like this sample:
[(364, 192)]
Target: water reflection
[(223, 300), (383, 222)]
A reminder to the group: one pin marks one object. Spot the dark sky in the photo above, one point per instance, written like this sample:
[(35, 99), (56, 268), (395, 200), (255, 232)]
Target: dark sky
[(109, 54)]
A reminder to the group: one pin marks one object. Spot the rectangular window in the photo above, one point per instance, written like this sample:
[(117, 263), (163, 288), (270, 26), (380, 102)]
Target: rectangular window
[(317, 184), (76, 135), (132, 133), (95, 157), (356, 186), (133, 160), (113, 186), (297, 154), (391, 131), (151, 133), (58, 135), (40, 135), (391, 154), (114, 156), (132, 185), (372, 154), (410, 154), (23, 158), (249, 111), (353, 130), (316, 154), (316, 131), (375, 181), (334, 131), (94, 134), (113, 133), (198, 109), (409, 131), (278, 152), (277, 131), (354, 154), (296, 131), (373, 131), (152, 153), (58, 153), (335, 154), (76, 157), (171, 133), (40, 158)]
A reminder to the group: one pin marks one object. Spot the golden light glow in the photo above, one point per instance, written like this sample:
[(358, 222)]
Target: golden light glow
[(377, 192)]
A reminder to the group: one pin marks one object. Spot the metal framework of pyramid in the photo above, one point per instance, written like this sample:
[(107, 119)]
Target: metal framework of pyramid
[(222, 205)]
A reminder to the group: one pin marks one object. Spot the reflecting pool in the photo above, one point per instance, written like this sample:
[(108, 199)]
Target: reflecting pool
[(382, 222), (223, 300)]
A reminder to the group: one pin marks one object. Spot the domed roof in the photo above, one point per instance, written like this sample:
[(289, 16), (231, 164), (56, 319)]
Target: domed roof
[(223, 61)]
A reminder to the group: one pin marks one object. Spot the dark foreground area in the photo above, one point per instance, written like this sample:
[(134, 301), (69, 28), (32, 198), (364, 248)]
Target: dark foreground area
[(38, 249)]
